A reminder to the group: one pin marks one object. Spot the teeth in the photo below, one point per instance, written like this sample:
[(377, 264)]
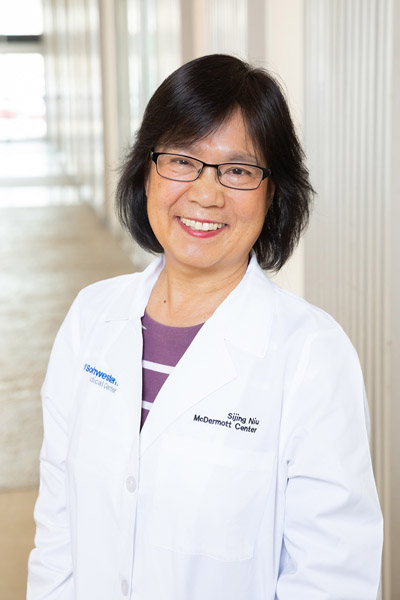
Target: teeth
[(199, 226)]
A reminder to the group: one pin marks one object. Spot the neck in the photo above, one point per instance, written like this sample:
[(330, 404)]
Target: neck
[(183, 296)]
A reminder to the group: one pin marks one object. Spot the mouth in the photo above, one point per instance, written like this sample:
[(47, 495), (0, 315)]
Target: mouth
[(201, 225)]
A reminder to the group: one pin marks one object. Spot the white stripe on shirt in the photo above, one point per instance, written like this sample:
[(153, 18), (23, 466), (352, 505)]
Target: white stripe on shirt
[(152, 366), (146, 405)]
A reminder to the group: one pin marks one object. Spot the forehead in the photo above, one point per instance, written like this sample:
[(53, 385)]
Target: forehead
[(230, 141)]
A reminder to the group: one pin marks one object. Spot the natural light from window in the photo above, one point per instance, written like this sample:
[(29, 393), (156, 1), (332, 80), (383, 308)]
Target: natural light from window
[(21, 17), (22, 89), (22, 105)]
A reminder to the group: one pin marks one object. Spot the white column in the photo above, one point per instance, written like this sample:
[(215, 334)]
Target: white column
[(109, 82)]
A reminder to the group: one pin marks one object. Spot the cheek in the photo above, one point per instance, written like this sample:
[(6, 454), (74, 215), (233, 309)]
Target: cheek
[(162, 194), (254, 214), (264, 204), (156, 201), (256, 221)]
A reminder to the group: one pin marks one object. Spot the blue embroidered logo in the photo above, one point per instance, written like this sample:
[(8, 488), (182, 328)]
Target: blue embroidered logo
[(105, 380)]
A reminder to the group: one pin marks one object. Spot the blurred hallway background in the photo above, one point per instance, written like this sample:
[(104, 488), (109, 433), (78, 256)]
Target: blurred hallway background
[(75, 77)]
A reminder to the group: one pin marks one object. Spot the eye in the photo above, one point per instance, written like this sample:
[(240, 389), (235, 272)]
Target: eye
[(179, 161), (237, 171), (175, 161)]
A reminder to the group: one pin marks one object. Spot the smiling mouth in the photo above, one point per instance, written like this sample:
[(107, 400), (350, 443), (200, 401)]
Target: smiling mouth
[(200, 225)]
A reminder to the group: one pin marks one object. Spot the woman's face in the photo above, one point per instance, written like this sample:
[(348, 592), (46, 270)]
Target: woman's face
[(239, 214)]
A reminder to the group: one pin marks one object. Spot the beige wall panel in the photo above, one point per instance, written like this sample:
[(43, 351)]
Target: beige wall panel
[(392, 441), (349, 134), (284, 58)]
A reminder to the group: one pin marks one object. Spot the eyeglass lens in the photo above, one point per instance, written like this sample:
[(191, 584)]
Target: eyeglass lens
[(182, 168)]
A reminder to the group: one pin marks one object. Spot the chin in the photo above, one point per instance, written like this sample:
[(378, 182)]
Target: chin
[(195, 260)]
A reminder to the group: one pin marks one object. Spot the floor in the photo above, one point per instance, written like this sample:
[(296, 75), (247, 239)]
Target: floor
[(50, 247)]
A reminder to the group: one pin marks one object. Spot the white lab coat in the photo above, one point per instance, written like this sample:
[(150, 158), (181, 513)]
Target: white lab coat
[(280, 504)]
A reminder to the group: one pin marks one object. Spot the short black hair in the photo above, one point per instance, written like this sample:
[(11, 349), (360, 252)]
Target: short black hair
[(192, 103)]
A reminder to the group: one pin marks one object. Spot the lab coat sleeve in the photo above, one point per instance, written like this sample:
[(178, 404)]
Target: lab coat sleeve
[(50, 564), (332, 539)]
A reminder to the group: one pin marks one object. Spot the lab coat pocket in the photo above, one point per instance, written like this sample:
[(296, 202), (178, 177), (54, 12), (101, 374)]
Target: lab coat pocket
[(209, 499)]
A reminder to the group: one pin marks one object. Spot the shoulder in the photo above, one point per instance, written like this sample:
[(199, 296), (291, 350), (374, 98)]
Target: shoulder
[(119, 296), (261, 311), (98, 296), (314, 342), (96, 301), (290, 310), (302, 313), (115, 299), (300, 325), (89, 308)]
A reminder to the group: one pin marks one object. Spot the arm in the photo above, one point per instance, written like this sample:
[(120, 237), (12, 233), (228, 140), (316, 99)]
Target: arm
[(50, 563), (333, 526)]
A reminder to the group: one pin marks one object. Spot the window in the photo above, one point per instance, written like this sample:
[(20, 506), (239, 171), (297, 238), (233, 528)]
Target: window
[(22, 93)]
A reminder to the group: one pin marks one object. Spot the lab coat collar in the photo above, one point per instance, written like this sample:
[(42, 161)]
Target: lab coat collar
[(244, 318), (133, 299), (247, 313)]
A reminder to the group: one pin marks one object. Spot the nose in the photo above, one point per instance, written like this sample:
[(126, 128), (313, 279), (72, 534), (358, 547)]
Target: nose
[(206, 190)]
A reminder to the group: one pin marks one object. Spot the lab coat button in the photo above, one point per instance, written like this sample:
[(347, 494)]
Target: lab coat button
[(131, 484), (124, 587)]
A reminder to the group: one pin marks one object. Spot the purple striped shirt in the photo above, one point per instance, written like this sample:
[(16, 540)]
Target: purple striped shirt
[(163, 347)]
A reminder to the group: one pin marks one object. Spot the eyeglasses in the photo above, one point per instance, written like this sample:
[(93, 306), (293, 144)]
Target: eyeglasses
[(237, 176)]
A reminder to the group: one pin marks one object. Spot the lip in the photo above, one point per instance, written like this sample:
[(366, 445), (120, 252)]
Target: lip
[(201, 234)]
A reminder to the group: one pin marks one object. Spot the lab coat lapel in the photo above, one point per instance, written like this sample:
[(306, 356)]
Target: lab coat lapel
[(122, 346), (244, 319), (123, 359), (204, 368)]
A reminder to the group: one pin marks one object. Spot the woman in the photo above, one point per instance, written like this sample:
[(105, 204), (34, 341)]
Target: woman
[(240, 469)]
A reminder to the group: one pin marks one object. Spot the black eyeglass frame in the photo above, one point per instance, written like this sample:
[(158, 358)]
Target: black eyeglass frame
[(265, 171)]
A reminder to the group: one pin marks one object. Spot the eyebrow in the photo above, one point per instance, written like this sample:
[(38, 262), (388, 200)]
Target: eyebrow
[(240, 157)]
